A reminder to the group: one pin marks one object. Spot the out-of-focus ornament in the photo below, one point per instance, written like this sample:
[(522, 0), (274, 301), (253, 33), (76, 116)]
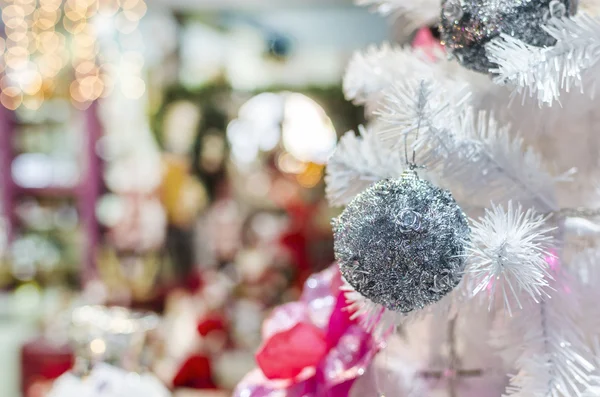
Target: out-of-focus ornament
[(108, 381), (402, 243), (183, 195), (111, 355), (468, 25), (311, 347)]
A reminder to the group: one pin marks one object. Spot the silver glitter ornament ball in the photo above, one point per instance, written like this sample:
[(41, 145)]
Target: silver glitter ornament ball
[(401, 243), (468, 25)]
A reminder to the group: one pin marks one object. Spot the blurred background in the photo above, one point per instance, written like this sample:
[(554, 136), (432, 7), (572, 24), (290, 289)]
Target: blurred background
[(166, 156)]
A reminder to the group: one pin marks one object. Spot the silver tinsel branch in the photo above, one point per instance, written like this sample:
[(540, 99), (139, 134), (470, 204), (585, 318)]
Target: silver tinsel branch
[(508, 256), (545, 72), (464, 146)]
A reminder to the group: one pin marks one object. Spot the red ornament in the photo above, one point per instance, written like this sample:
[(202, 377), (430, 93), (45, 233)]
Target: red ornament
[(286, 354), (195, 373), (211, 323)]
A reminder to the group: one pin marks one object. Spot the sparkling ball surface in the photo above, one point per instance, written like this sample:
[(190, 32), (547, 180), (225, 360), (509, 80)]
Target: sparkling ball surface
[(401, 243), (468, 25)]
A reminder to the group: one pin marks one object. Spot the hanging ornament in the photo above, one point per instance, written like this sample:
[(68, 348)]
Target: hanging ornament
[(468, 25), (401, 243)]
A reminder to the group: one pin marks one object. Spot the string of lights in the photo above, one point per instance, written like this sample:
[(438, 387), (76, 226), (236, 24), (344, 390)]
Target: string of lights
[(47, 41)]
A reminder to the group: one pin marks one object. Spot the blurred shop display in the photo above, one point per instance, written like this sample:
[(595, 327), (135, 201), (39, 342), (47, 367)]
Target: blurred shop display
[(82, 50), (49, 189), (113, 355), (164, 161), (264, 227)]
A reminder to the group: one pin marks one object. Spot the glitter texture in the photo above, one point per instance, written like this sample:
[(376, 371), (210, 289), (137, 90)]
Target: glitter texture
[(401, 243), (468, 25)]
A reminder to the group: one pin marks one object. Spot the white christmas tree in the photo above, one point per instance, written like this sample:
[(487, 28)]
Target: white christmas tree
[(518, 148)]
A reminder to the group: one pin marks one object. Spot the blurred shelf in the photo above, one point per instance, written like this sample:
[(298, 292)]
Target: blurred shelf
[(58, 192), (44, 124), (85, 194)]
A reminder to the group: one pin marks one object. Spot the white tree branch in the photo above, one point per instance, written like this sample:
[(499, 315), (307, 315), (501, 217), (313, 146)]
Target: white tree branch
[(358, 162), (508, 255), (545, 72), (465, 147)]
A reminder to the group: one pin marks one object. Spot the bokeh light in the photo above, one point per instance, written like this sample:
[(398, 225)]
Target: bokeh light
[(45, 38)]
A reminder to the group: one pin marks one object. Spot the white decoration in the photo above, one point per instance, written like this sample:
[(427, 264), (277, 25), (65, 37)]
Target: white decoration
[(508, 255), (108, 381)]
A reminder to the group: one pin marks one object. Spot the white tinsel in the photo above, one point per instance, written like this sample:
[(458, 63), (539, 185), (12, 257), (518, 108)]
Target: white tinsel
[(481, 158), (586, 270), (369, 73), (508, 255), (552, 359), (467, 148), (545, 72), (358, 162)]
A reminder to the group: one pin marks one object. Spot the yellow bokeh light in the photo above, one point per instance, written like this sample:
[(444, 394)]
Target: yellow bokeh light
[(23, 43), (92, 9), (48, 42), (74, 27), (12, 12), (108, 7), (84, 53), (135, 14), (49, 65), (50, 5), (75, 92), (311, 176), (74, 15), (128, 4), (47, 19), (28, 6), (48, 86), (11, 97), (289, 164), (34, 53), (16, 57), (84, 39), (98, 346), (33, 102), (18, 33), (86, 68), (31, 42), (5, 83), (134, 10), (80, 105), (33, 83), (91, 88)]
